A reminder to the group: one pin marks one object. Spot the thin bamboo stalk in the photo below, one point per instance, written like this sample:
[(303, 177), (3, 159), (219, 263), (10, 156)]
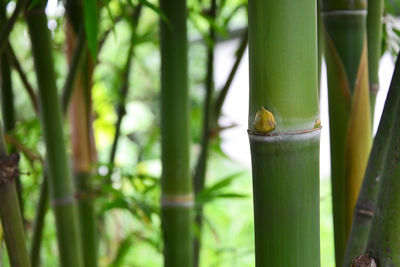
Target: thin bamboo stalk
[(374, 35), (124, 85), (366, 202), (199, 177), (384, 237), (60, 182), (349, 108), (38, 225), (11, 219), (176, 186), (284, 139)]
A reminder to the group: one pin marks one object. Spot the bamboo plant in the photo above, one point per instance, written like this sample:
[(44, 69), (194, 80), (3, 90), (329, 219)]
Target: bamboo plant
[(349, 108), (284, 131), (176, 186), (199, 177), (83, 152), (384, 237), (10, 211), (60, 182), (366, 202), (374, 38), (11, 219)]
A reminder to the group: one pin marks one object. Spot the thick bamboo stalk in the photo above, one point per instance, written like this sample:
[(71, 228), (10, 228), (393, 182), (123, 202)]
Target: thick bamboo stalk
[(284, 138), (384, 237), (374, 35), (366, 202), (60, 182), (83, 150), (349, 108), (176, 186)]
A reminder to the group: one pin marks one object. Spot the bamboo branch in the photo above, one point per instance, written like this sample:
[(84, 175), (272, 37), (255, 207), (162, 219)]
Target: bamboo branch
[(224, 91), (24, 79), (124, 86), (6, 29)]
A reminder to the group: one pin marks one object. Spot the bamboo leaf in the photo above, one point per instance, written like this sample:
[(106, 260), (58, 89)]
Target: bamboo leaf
[(91, 25), (122, 251), (157, 10)]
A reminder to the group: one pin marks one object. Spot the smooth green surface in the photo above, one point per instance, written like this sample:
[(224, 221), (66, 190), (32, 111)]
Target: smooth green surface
[(283, 62), (87, 218), (374, 35), (174, 100), (177, 224), (286, 199), (7, 96), (347, 32), (369, 190), (60, 181), (176, 185)]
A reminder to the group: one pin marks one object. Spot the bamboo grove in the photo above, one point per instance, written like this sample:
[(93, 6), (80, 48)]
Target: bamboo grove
[(114, 130)]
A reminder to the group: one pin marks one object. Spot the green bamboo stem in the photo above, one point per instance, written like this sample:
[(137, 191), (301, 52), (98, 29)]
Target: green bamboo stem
[(349, 104), (366, 202), (11, 219), (283, 80), (199, 177), (38, 225), (374, 35), (176, 186), (384, 237), (78, 57), (10, 209), (82, 140), (60, 182)]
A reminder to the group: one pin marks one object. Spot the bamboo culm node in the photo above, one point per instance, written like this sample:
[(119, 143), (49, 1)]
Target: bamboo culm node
[(9, 168), (364, 260)]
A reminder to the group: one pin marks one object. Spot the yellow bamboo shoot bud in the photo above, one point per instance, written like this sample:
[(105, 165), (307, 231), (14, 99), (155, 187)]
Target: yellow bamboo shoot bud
[(264, 121)]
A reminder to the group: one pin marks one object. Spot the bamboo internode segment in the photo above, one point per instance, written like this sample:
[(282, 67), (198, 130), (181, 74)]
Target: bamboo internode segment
[(286, 199)]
